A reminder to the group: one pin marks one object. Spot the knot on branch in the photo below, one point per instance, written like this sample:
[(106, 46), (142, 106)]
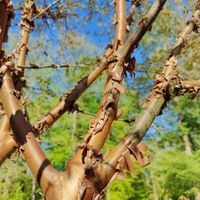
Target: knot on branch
[(42, 125), (2, 111), (165, 85), (91, 160)]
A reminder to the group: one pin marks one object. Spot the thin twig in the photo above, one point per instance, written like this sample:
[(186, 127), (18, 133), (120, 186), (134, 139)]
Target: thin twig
[(128, 121), (51, 66), (39, 14)]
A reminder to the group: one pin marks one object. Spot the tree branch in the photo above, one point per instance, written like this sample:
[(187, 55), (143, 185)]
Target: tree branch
[(152, 106), (144, 26), (100, 126), (35, 158), (134, 6), (5, 16), (120, 28)]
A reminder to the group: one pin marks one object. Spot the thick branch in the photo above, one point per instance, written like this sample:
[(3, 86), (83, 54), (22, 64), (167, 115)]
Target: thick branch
[(120, 28), (23, 132), (153, 105), (100, 126), (8, 142)]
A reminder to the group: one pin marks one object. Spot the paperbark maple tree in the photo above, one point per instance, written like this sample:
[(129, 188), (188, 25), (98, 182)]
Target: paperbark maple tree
[(88, 172)]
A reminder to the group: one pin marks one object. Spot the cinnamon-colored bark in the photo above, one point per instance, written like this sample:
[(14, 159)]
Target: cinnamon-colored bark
[(46, 175), (100, 126), (6, 139)]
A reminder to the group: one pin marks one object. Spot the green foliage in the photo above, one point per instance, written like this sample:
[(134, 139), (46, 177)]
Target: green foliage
[(131, 187)]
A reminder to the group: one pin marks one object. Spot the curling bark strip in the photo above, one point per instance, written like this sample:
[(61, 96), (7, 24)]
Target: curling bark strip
[(154, 103)]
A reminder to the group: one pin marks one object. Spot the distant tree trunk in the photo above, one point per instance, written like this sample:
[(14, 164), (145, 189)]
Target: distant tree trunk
[(33, 189), (154, 183), (197, 197), (154, 188), (187, 145), (74, 125)]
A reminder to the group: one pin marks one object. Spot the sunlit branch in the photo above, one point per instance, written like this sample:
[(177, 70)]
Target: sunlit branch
[(154, 103), (100, 126)]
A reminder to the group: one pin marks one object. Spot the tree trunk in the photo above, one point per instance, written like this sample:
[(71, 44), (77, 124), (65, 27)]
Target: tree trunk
[(33, 189), (154, 188)]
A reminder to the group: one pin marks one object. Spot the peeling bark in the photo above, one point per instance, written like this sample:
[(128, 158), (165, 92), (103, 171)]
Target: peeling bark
[(99, 127)]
